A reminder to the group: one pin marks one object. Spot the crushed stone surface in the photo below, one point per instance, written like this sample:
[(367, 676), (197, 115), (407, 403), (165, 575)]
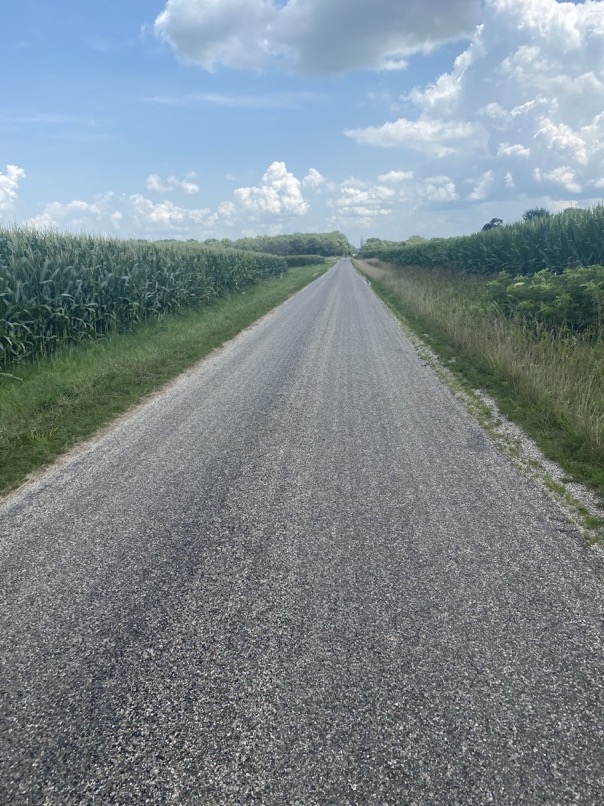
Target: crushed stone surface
[(302, 575)]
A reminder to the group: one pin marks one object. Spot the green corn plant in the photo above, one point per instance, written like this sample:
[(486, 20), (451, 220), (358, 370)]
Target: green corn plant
[(57, 289)]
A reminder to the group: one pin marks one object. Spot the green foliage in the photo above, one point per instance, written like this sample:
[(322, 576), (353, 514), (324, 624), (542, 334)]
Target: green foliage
[(60, 400), (330, 244), (549, 380), (56, 289), (535, 212), (374, 247), (556, 242), (494, 222), (572, 300), (293, 261)]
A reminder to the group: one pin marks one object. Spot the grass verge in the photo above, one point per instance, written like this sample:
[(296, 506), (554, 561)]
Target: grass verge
[(553, 387), (49, 406)]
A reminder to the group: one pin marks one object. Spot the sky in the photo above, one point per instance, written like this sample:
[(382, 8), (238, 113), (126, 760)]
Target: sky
[(228, 118)]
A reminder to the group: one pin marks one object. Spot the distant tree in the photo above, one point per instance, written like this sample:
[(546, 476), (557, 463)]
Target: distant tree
[(535, 212), (326, 244), (492, 224), (415, 239), (372, 247)]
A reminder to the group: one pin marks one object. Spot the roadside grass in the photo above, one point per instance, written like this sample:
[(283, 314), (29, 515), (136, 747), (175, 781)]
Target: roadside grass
[(551, 384), (48, 406)]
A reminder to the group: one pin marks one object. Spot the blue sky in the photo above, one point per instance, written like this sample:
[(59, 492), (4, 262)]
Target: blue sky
[(222, 118)]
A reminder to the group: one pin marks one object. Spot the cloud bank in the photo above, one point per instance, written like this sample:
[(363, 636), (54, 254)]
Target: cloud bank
[(521, 110), (270, 206), (9, 185), (158, 185), (312, 36)]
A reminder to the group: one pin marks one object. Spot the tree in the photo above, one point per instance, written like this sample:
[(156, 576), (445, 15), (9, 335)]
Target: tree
[(494, 222), (535, 212)]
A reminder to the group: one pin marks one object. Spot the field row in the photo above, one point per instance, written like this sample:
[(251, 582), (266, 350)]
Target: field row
[(554, 242), (57, 289)]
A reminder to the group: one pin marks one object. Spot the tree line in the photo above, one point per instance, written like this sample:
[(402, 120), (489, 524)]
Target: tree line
[(326, 244)]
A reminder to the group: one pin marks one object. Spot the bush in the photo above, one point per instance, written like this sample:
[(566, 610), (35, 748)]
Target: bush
[(572, 300), (303, 260)]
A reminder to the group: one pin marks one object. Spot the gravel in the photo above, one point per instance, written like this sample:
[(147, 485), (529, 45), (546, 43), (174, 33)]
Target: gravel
[(303, 575)]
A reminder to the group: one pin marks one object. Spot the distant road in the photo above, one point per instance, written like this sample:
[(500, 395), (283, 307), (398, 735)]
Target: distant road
[(302, 575)]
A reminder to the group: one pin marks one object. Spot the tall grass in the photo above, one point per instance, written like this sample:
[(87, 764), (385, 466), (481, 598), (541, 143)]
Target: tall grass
[(56, 289), (569, 239), (550, 381)]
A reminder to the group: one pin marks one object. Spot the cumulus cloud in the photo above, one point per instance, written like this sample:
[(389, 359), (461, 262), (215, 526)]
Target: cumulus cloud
[(156, 184), (74, 215), (396, 177), (166, 213), (113, 213), (10, 180), (563, 176), (278, 194), (521, 108), (438, 189), (264, 208), (481, 186), (515, 150), (358, 204), (225, 216), (313, 179), (314, 36), (430, 135)]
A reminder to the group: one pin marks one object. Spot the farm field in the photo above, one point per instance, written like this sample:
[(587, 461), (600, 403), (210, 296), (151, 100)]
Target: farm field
[(548, 380), (49, 405), (58, 289), (517, 311)]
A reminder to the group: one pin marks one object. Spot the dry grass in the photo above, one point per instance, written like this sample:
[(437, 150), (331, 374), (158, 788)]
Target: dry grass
[(552, 384)]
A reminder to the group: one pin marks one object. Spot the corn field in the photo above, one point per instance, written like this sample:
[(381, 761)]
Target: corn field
[(57, 289), (570, 239)]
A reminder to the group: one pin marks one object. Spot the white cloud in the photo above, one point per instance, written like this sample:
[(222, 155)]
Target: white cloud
[(235, 33), (75, 215), (279, 194), (266, 207), (563, 176), (314, 36), (430, 135), (225, 216), (439, 189), (290, 100), (113, 213), (166, 213), (359, 204), (396, 177), (481, 186), (313, 179), (9, 185), (521, 108), (508, 181), (515, 150), (156, 184)]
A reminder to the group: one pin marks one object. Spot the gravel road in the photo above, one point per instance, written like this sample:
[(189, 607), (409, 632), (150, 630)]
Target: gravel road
[(302, 575)]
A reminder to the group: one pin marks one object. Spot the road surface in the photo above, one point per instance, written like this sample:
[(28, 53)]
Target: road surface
[(302, 575)]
